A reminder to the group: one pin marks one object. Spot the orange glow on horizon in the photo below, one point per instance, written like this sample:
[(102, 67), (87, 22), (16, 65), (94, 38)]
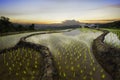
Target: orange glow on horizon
[(57, 22), (33, 21)]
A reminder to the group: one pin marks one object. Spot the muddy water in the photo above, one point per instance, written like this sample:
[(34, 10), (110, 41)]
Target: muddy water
[(72, 33), (12, 40), (72, 54)]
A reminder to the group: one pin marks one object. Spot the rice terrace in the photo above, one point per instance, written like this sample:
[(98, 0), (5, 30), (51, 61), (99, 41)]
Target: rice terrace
[(56, 47)]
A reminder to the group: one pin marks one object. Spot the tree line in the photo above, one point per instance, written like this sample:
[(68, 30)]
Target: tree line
[(7, 26), (115, 24)]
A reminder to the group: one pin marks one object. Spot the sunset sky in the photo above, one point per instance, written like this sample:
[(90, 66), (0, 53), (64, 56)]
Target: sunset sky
[(56, 11)]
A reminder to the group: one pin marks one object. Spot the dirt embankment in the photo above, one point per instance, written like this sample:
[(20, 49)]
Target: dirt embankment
[(107, 56), (49, 70)]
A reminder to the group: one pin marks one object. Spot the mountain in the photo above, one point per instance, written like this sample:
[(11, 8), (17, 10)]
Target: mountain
[(66, 23), (115, 24)]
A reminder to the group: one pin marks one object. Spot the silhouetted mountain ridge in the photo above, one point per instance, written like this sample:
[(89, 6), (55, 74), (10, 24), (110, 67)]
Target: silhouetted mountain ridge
[(115, 24)]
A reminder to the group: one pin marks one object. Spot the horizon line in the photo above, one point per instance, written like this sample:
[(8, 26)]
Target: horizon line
[(60, 22)]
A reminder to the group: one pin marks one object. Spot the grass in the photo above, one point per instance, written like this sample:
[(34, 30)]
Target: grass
[(20, 64)]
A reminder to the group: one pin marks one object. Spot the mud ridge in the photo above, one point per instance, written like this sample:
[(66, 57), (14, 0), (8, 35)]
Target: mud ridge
[(107, 56), (49, 70)]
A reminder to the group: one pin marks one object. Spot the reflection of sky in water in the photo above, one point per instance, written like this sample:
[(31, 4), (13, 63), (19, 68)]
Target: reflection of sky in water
[(11, 40), (65, 37), (72, 49), (112, 39), (72, 33)]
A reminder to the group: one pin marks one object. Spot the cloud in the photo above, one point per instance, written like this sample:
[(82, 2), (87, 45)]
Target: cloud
[(71, 22), (59, 10)]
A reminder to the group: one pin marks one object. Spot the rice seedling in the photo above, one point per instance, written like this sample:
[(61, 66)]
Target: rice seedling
[(72, 54), (20, 64)]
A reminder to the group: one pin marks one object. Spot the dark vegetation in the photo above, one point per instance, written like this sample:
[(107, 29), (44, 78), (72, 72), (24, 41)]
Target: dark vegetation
[(115, 24), (6, 26)]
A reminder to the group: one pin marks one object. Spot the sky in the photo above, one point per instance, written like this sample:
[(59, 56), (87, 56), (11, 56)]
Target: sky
[(56, 11)]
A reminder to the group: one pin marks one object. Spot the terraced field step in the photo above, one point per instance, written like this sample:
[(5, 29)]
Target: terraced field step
[(72, 56), (70, 59), (107, 56), (21, 63)]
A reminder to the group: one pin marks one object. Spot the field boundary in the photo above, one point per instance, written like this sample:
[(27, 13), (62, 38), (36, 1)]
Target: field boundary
[(107, 56), (49, 72), (49, 69)]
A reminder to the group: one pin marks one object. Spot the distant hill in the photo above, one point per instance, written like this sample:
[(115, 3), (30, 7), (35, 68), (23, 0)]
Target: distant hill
[(64, 25), (115, 24)]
